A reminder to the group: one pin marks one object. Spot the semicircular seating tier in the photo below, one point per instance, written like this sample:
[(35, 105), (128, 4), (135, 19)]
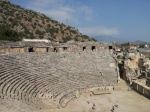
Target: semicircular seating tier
[(46, 80)]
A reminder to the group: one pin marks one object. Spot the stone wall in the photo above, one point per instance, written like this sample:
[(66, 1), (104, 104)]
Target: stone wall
[(133, 60), (141, 89), (2, 50), (16, 50), (11, 50), (17, 47), (41, 49), (148, 80), (147, 55)]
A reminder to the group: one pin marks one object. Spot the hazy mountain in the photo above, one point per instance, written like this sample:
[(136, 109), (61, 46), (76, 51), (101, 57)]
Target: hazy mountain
[(139, 42)]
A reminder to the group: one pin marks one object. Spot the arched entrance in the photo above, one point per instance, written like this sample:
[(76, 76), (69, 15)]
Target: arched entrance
[(93, 48), (30, 49)]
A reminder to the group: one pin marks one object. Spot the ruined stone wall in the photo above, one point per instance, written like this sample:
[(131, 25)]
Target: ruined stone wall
[(7, 50), (123, 73), (16, 47), (2, 50), (133, 60), (141, 89), (11, 50), (133, 66), (39, 49), (147, 55), (22, 50), (136, 72), (16, 50), (148, 79)]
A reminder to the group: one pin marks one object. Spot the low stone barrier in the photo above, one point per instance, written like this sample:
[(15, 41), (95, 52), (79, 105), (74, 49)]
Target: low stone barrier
[(141, 89)]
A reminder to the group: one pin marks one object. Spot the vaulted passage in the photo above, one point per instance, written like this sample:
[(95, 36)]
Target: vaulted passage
[(47, 49), (65, 48), (84, 48), (55, 50), (93, 48), (30, 49), (110, 47)]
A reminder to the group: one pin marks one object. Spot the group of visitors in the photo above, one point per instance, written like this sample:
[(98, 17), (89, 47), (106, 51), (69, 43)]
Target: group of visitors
[(93, 104), (114, 106)]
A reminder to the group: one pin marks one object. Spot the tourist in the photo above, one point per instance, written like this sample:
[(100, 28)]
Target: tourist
[(91, 93), (131, 87), (88, 101), (117, 105), (93, 107), (113, 108)]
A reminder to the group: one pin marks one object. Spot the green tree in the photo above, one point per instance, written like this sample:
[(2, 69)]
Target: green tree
[(142, 46), (38, 32), (8, 34), (26, 31)]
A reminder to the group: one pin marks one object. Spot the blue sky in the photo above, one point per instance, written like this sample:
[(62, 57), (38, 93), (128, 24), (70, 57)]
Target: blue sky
[(123, 19)]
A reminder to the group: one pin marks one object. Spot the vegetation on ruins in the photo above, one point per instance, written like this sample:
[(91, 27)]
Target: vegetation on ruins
[(23, 23)]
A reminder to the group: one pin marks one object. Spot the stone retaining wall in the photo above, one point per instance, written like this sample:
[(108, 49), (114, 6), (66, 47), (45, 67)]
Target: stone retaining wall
[(141, 89)]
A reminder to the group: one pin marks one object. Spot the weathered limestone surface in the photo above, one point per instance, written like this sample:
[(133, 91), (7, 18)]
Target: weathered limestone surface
[(47, 80), (136, 71)]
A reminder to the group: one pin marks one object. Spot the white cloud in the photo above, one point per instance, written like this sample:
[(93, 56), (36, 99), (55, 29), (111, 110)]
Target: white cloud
[(85, 9), (62, 10), (99, 31), (71, 11)]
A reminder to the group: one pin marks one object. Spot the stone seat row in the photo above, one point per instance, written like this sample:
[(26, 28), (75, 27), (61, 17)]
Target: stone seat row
[(24, 78)]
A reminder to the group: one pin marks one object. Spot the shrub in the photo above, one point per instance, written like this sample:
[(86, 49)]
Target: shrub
[(8, 34), (26, 31), (48, 25), (73, 31), (66, 39), (10, 19), (76, 39), (38, 32)]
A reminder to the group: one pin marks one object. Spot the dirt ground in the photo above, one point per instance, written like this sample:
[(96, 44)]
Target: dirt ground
[(128, 101)]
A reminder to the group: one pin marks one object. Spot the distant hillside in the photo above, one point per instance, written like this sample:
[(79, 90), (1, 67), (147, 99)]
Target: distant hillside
[(139, 42), (17, 23)]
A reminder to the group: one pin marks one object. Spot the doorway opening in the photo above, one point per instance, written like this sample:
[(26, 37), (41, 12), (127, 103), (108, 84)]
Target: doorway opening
[(93, 48), (65, 48), (30, 49), (84, 48), (110, 47), (47, 49), (55, 50)]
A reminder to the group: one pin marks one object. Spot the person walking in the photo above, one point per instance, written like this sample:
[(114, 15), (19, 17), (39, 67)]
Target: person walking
[(93, 107), (113, 108), (88, 101), (117, 104)]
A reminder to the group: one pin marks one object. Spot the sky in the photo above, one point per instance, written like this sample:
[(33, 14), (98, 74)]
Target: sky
[(127, 20)]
